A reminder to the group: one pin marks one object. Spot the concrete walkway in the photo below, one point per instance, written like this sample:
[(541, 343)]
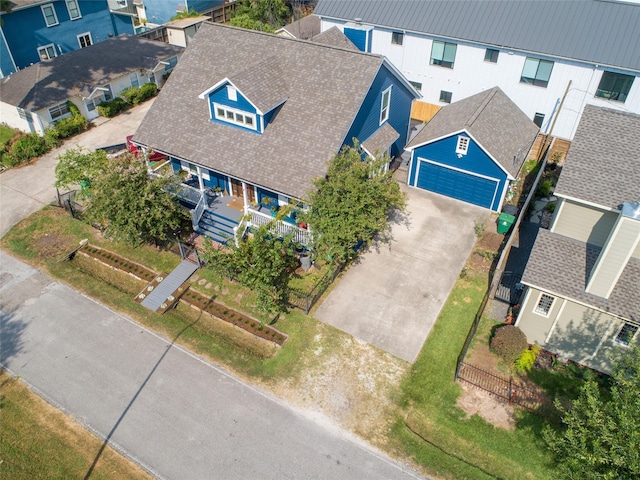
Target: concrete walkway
[(169, 410), (27, 189), (392, 297)]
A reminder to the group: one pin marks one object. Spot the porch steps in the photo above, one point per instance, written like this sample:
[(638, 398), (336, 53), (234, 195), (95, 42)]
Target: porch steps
[(169, 285), (217, 227)]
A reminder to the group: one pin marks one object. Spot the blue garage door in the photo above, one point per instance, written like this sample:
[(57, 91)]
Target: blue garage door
[(456, 184)]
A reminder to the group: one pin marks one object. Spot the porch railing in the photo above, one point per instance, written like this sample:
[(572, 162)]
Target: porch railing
[(279, 227), (196, 213)]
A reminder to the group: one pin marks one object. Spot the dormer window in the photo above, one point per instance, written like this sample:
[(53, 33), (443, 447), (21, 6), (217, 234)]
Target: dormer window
[(237, 117), (463, 145)]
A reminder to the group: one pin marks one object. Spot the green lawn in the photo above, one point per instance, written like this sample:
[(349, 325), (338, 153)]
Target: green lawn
[(453, 446)]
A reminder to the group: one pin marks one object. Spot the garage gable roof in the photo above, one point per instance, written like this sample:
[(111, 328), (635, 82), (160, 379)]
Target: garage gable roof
[(603, 166), (493, 120), (79, 72)]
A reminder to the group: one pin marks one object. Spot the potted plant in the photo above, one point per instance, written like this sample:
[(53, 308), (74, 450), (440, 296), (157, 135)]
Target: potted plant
[(274, 210)]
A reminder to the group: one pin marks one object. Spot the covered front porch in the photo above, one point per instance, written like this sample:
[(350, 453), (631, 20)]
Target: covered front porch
[(222, 206)]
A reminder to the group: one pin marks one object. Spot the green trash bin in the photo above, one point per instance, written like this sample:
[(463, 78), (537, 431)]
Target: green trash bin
[(504, 222)]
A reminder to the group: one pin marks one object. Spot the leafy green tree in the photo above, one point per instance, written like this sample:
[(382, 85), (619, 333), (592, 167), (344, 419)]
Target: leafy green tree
[(351, 204), (78, 166), (191, 13), (133, 206), (265, 15), (262, 262), (602, 435)]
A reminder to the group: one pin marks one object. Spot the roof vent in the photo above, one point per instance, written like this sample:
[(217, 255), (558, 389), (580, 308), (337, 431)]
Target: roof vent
[(358, 20)]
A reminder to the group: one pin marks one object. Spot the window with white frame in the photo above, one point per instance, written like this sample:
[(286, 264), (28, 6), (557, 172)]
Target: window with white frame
[(544, 304), (46, 52), (231, 115), (443, 54), (232, 93), (385, 103), (536, 72), (74, 9), (134, 80), (50, 17), (84, 40), (397, 38), (626, 334), (59, 111), (463, 145)]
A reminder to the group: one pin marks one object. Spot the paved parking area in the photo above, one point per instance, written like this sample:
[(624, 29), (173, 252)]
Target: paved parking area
[(393, 295)]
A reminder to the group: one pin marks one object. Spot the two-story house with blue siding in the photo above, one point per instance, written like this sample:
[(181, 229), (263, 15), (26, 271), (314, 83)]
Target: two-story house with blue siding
[(158, 12), (550, 57), (472, 149), (259, 116), (582, 279), (40, 30)]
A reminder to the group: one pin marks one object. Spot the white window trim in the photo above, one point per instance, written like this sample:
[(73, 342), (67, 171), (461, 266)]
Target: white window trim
[(384, 112), (234, 111), (537, 305), (66, 115), (81, 35), (232, 93), (462, 147), (137, 78), (75, 2), (55, 15), (619, 331), (44, 48)]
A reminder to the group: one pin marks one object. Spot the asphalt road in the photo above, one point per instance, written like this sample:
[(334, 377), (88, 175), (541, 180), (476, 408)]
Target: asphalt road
[(172, 412)]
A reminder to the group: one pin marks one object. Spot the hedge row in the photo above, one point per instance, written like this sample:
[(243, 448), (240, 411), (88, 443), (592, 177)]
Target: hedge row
[(128, 97)]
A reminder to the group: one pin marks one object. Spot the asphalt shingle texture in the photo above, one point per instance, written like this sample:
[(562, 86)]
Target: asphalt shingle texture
[(603, 164), (497, 123), (81, 71), (562, 265), (325, 88)]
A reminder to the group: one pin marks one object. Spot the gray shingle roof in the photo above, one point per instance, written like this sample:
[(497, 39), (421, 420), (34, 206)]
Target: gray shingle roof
[(493, 120), (605, 33), (334, 37), (562, 265), (326, 87), (381, 140), (263, 83), (79, 72), (603, 164), (304, 29)]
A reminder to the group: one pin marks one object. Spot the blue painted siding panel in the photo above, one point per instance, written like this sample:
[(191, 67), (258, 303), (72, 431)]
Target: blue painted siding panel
[(367, 121), (161, 11), (6, 65), (359, 38), (25, 30), (476, 161)]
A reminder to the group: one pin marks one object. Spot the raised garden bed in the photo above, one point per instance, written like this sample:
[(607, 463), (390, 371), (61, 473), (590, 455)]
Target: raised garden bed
[(112, 260), (221, 311)]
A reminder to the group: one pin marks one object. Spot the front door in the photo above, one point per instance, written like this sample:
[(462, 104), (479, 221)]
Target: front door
[(236, 190)]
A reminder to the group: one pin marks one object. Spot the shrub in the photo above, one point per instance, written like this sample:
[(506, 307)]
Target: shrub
[(27, 147), (544, 189), (70, 126), (527, 359), (136, 95), (113, 107), (52, 137), (508, 342)]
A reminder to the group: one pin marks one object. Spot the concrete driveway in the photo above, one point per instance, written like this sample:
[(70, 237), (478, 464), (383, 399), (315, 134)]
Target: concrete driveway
[(393, 295), (27, 189)]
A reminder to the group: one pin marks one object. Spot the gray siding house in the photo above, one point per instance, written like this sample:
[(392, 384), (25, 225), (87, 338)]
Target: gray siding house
[(583, 276)]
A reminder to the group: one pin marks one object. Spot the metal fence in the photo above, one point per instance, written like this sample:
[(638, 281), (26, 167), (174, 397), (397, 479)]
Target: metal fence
[(306, 300), (506, 388)]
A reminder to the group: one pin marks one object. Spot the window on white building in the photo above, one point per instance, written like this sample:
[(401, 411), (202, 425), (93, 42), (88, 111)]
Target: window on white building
[(626, 334), (538, 119), (135, 81), (536, 72), (614, 86), (491, 55), (397, 38), (384, 105), (50, 17), (59, 111), (445, 96), (74, 9), (544, 304), (443, 54)]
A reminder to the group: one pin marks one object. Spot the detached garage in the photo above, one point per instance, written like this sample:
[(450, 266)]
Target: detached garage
[(472, 149)]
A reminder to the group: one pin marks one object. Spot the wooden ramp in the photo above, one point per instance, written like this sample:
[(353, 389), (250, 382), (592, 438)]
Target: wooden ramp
[(169, 285)]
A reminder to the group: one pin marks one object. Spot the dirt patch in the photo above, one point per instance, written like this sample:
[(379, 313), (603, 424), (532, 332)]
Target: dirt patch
[(474, 401), (490, 241), (51, 245), (353, 382)]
